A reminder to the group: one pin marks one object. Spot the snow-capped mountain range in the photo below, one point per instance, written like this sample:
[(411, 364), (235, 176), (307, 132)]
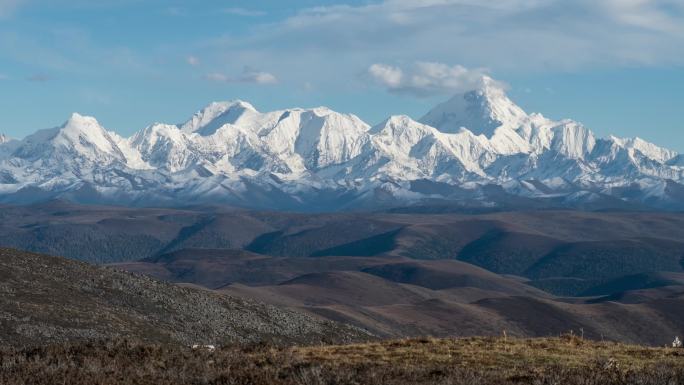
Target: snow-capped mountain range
[(476, 149)]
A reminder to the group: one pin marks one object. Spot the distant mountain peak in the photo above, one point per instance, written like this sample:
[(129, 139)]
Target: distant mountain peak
[(79, 141), (86, 127), (482, 111), (77, 116), (209, 119), (397, 120), (476, 148), (81, 122), (649, 149), (236, 105)]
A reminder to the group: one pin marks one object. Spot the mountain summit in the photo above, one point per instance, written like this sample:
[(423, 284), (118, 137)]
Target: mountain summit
[(476, 149), (482, 111)]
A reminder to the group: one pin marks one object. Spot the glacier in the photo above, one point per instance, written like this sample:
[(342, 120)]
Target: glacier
[(476, 150)]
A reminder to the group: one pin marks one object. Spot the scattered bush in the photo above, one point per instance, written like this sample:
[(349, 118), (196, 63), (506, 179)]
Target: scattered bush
[(473, 361)]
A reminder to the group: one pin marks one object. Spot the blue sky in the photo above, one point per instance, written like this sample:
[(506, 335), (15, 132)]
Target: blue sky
[(615, 65)]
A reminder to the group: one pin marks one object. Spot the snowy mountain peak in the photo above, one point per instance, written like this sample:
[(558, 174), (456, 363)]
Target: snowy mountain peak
[(400, 130), (319, 159), (212, 117), (76, 117), (81, 139), (80, 123), (482, 111), (648, 149), (394, 120), (4, 138)]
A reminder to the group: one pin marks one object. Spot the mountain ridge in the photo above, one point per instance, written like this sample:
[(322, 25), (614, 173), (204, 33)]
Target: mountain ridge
[(319, 159)]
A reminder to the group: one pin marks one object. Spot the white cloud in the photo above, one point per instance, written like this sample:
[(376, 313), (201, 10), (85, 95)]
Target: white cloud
[(243, 12), (386, 75), (508, 35), (646, 14), (426, 78), (258, 77), (217, 77), (247, 76), (193, 60)]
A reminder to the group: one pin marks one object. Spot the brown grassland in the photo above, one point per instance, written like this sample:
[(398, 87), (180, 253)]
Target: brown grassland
[(568, 360)]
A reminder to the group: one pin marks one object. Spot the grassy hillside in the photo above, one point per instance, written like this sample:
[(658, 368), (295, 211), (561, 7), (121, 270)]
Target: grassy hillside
[(49, 299), (474, 361)]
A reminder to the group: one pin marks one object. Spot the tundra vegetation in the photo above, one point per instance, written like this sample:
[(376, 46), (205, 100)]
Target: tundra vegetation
[(566, 360)]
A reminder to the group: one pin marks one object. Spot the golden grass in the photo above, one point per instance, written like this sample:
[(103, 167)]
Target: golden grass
[(470, 361), (493, 353)]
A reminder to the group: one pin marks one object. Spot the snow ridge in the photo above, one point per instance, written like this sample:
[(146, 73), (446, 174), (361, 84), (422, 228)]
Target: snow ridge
[(477, 148)]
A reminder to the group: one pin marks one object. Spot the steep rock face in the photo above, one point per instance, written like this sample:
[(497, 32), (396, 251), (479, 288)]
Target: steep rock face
[(572, 140), (164, 146), (7, 144), (676, 161), (319, 159), (407, 150), (206, 121)]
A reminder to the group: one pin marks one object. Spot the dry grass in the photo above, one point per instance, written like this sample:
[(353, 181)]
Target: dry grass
[(493, 353), (473, 361)]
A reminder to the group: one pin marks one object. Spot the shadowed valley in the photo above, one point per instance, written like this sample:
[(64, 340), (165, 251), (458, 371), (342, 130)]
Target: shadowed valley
[(609, 275)]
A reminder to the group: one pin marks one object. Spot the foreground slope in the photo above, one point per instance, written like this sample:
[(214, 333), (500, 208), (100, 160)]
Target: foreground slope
[(475, 361), (49, 299)]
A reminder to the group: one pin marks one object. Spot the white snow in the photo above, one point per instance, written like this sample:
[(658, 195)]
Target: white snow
[(231, 152)]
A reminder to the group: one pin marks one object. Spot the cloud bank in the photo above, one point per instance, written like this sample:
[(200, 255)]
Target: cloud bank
[(426, 78), (237, 11), (517, 35), (247, 76)]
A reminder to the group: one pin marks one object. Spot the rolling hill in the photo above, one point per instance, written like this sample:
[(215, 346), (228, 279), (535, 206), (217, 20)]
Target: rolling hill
[(48, 299), (615, 275)]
